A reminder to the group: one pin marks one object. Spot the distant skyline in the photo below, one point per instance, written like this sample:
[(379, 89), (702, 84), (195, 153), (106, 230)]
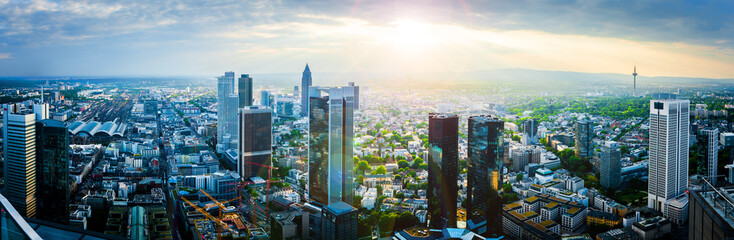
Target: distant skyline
[(163, 38)]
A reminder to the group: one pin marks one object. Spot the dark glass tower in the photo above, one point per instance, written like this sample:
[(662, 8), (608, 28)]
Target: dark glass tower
[(255, 141), (244, 84), (339, 221), (584, 135), (443, 161), (330, 145), (484, 161), (52, 171), (306, 83)]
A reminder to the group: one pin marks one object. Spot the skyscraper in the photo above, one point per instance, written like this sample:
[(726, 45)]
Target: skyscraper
[(443, 169), (265, 98), (712, 152), (484, 161), (530, 132), (584, 135), (150, 107), (244, 85), (255, 143), (668, 164), (339, 221), (41, 111), (306, 83), (330, 145), (224, 89), (19, 144), (356, 95), (52, 171), (610, 165)]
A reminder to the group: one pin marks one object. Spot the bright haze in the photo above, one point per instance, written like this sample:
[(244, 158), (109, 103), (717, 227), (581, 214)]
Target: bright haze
[(203, 38)]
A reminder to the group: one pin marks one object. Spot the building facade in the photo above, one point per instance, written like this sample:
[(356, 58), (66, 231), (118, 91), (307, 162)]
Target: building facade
[(668, 163), (584, 135), (530, 132), (610, 169), (52, 171), (255, 143), (339, 221), (19, 144), (224, 89), (306, 83), (484, 167), (244, 89), (711, 135), (330, 151), (443, 160)]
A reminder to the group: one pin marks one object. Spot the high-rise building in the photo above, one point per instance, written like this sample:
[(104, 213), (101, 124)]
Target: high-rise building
[(41, 111), (265, 98), (255, 143), (530, 132), (584, 135), (712, 152), (331, 141), (610, 170), (52, 171), (244, 85), (150, 107), (339, 221), (443, 169), (306, 83), (668, 163), (19, 144), (484, 167), (224, 89), (356, 95), (232, 110)]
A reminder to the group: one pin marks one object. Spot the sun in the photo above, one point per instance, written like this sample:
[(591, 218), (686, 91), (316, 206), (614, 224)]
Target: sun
[(411, 34)]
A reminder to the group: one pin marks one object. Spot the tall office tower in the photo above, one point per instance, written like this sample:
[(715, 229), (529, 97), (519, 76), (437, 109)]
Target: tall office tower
[(712, 152), (41, 111), (306, 83), (443, 169), (356, 95), (233, 103), (584, 135), (668, 165), (484, 161), (530, 132), (265, 98), (610, 169), (150, 107), (339, 221), (19, 144), (330, 145), (244, 85), (255, 141), (52, 171), (224, 89)]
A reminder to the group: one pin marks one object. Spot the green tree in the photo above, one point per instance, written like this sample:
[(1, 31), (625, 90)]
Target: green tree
[(360, 179), (400, 195), (403, 164), (417, 163), (357, 201), (363, 166), (379, 190), (381, 170), (519, 177)]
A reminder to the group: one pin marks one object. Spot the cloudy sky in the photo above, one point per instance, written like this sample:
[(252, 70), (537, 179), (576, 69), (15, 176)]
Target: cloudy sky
[(205, 38)]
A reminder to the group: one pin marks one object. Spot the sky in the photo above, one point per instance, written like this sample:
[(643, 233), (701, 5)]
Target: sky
[(207, 38)]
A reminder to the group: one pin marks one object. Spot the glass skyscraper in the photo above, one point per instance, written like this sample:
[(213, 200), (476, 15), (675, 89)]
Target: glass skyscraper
[(443, 169), (52, 171), (244, 85), (224, 90), (331, 145), (255, 143), (485, 149), (584, 135), (306, 83)]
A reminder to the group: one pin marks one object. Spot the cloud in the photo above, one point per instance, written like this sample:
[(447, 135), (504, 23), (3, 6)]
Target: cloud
[(5, 56)]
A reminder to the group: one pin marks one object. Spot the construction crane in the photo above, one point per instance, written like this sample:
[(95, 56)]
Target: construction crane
[(240, 185), (206, 214)]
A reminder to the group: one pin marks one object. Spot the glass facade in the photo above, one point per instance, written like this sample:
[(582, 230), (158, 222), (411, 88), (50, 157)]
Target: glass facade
[(485, 150), (331, 137), (52, 171), (255, 141), (245, 90), (443, 160)]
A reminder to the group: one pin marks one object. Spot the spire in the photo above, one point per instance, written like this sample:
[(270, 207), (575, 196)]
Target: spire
[(307, 69)]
